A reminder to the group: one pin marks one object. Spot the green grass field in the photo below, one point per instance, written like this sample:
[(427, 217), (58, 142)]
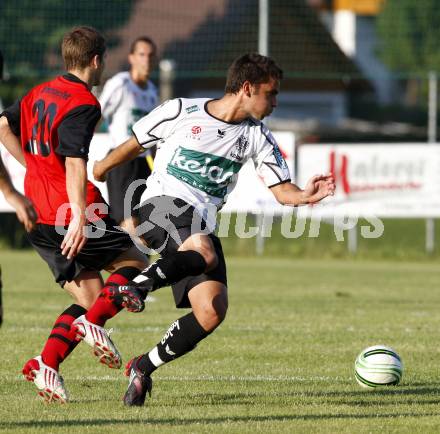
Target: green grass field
[(282, 361)]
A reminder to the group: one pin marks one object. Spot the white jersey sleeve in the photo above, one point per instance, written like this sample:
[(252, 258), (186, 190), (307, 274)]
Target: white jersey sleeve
[(158, 124), (269, 161), (111, 97)]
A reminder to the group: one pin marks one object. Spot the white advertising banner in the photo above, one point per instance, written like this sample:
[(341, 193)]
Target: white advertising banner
[(382, 180), (250, 194)]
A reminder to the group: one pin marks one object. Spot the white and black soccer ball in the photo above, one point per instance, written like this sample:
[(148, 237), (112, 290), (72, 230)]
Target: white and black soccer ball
[(378, 366)]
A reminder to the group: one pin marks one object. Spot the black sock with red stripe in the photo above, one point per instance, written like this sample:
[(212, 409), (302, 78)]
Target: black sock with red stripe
[(103, 309), (62, 340)]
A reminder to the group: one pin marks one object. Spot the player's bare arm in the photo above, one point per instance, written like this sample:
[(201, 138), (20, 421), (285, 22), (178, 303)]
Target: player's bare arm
[(11, 141), (127, 151), (318, 187), (76, 182), (22, 205)]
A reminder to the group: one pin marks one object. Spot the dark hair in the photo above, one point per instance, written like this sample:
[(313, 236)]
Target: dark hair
[(251, 67), (80, 45), (145, 39)]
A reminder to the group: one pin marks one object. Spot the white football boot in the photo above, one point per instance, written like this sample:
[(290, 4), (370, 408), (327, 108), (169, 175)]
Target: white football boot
[(99, 339), (49, 383)]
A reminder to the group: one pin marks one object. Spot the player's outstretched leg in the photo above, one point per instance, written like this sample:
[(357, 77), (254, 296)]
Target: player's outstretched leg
[(62, 339), (182, 336), (43, 369), (99, 339), (165, 271), (89, 327)]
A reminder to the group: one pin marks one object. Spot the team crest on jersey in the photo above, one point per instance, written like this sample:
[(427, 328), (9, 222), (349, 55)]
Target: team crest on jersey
[(192, 109), (194, 134), (241, 145)]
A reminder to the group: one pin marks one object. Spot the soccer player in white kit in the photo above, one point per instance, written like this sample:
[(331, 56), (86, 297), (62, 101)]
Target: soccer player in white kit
[(22, 206), (202, 144), (125, 98)]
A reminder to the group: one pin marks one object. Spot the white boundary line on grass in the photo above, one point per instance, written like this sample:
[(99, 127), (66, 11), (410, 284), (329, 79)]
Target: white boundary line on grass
[(20, 329), (231, 379)]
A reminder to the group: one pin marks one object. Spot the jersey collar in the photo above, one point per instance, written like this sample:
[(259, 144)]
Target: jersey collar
[(74, 79), (205, 106)]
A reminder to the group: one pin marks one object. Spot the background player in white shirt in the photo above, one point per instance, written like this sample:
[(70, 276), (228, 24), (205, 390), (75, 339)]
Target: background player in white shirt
[(21, 204), (23, 208), (125, 98), (202, 144)]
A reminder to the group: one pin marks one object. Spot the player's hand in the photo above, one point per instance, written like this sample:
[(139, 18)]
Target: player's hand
[(23, 208), (319, 186), (99, 172), (75, 238)]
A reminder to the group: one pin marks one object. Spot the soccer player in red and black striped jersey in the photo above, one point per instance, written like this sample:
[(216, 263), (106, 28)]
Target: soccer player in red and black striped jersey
[(49, 131)]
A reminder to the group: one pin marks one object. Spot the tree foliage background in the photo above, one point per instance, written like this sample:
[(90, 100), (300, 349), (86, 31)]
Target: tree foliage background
[(31, 33), (410, 34), (409, 31)]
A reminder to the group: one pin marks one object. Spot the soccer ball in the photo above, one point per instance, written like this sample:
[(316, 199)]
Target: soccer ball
[(378, 366)]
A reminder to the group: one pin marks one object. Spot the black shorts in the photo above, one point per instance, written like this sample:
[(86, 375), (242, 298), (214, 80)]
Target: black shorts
[(118, 182), (165, 223), (96, 254)]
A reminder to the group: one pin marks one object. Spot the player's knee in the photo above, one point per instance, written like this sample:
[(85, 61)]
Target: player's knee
[(86, 301), (210, 320), (221, 313), (204, 246), (211, 314)]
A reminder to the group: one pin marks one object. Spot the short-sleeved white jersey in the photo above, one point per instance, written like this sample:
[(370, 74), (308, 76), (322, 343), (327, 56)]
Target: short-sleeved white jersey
[(199, 156), (123, 102)]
